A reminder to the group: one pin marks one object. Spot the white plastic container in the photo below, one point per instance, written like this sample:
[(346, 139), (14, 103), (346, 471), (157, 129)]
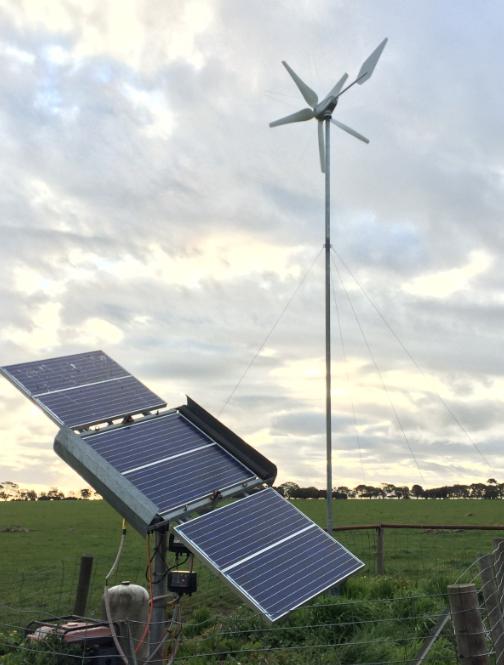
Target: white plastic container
[(129, 605)]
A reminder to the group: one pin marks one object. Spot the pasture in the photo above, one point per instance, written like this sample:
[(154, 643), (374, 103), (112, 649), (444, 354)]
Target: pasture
[(39, 562)]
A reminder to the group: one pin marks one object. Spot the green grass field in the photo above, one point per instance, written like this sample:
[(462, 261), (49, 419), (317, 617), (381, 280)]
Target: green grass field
[(39, 568)]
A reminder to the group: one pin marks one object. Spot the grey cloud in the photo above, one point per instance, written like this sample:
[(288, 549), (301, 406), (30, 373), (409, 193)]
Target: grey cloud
[(419, 198)]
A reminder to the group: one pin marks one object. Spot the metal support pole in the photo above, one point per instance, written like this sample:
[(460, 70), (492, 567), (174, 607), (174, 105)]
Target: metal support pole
[(159, 591), (328, 324)]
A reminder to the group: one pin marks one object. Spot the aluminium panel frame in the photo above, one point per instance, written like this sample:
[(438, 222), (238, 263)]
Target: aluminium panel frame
[(237, 588)]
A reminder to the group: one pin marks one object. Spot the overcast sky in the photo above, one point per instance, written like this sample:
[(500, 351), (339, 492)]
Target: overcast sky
[(148, 210)]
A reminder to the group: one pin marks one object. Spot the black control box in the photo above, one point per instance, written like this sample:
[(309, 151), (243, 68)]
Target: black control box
[(175, 545), (182, 581)]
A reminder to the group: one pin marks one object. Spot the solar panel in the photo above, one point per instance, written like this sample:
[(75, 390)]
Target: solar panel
[(168, 460), (82, 389), (271, 553), (44, 376), (166, 465)]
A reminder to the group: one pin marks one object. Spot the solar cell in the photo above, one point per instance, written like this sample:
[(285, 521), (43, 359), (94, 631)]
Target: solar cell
[(146, 441), (170, 461), (42, 376), (153, 469), (189, 477), (82, 389), (269, 551), (86, 405)]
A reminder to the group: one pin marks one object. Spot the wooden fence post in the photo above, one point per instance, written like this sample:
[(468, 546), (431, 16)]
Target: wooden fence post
[(380, 550), (467, 623), (81, 595)]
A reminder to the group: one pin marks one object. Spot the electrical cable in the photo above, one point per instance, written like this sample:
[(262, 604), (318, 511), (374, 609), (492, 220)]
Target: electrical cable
[(380, 375), (131, 645), (176, 619), (113, 632), (148, 576), (119, 553), (343, 352), (106, 601), (412, 359), (275, 324)]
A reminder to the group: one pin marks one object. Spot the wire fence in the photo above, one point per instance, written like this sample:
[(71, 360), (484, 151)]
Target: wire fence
[(374, 619)]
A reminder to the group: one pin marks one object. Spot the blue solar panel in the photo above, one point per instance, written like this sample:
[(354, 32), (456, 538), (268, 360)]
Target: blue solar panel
[(270, 552), (86, 405), (44, 376), (82, 389), (170, 461), (147, 441)]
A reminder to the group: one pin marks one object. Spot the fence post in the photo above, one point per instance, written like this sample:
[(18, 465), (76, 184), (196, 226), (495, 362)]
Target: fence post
[(81, 596), (467, 624), (491, 598), (380, 550)]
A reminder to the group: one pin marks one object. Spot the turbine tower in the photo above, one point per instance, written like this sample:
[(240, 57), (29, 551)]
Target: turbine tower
[(322, 112)]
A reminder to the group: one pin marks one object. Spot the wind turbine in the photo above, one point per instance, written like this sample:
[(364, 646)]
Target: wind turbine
[(322, 112)]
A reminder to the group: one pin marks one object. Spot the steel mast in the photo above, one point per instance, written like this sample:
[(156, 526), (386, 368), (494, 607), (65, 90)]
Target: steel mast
[(322, 112), (327, 253)]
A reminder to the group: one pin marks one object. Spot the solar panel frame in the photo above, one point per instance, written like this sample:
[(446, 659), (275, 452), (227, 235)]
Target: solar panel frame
[(266, 555), (42, 376), (150, 435), (163, 478), (108, 392)]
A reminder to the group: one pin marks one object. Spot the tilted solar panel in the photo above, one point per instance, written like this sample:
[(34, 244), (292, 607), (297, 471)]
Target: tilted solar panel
[(147, 441), (82, 389), (153, 468), (269, 551), (167, 459), (44, 376)]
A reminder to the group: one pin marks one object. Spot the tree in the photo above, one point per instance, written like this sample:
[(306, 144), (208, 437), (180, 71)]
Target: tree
[(9, 490), (85, 493), (290, 490), (491, 492), (54, 494), (477, 490), (389, 489), (417, 491), (402, 492), (28, 495)]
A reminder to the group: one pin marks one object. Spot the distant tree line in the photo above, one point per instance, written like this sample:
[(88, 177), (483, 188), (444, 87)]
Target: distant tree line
[(10, 491), (489, 490)]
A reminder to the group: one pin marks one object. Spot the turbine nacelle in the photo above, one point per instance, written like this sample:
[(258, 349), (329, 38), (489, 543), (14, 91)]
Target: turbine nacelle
[(323, 110)]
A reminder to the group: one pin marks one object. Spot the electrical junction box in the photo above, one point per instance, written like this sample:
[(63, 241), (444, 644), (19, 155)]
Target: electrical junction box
[(177, 546), (182, 581)]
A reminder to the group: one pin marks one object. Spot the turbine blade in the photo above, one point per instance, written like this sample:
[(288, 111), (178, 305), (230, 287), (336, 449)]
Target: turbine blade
[(368, 65), (334, 92), (321, 145), (309, 95), (349, 130), (299, 116)]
